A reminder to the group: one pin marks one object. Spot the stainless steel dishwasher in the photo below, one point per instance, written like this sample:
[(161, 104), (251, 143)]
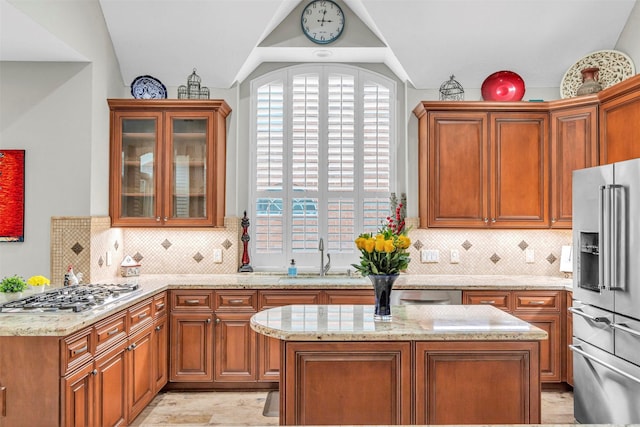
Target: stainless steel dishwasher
[(425, 297)]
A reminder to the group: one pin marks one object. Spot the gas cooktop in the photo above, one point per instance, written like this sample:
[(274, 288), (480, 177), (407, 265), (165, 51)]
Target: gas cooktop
[(75, 298)]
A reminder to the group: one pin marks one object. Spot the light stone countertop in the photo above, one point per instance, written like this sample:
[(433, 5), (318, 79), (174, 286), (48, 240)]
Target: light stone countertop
[(409, 323), (62, 324)]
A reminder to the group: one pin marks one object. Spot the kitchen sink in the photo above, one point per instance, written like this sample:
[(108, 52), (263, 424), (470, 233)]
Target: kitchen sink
[(324, 280)]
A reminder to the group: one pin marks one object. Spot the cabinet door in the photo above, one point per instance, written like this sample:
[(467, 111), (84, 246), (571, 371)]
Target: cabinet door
[(189, 169), (457, 168), (135, 165), (268, 347), (236, 345), (110, 383), (620, 128), (78, 391), (573, 146), (477, 383), (191, 347), (551, 348), (352, 296), (520, 166), (568, 355), (140, 372), (160, 353)]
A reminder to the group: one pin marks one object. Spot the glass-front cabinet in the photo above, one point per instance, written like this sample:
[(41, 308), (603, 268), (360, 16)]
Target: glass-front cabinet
[(167, 162)]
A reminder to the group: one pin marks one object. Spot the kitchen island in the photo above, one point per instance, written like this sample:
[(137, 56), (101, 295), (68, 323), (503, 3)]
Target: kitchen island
[(430, 365)]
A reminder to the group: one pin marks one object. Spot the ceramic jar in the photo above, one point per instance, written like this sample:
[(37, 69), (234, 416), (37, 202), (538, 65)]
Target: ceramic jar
[(590, 82)]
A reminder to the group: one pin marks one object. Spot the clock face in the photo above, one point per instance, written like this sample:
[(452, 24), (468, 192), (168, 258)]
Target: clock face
[(322, 21)]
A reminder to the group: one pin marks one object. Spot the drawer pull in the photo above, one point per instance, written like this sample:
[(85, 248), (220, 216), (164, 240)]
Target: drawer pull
[(235, 301), (80, 350), (192, 301), (484, 301), (113, 332), (142, 316), (535, 303), (3, 401), (159, 306)]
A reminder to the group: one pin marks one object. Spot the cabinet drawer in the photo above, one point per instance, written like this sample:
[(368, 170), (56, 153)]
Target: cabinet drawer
[(160, 305), (140, 315), (498, 299), (76, 350), (110, 330), (538, 301), (269, 299), (236, 300), (192, 300)]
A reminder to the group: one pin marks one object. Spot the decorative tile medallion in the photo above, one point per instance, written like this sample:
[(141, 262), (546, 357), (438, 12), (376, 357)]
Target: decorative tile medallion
[(227, 244), (198, 257), (77, 248), (523, 245), (466, 245), (138, 257), (551, 258), (166, 244), (116, 245), (495, 258), (418, 245), (100, 261)]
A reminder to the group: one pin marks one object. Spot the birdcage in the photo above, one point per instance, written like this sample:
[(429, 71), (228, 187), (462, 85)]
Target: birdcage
[(451, 90), (193, 85), (182, 92)]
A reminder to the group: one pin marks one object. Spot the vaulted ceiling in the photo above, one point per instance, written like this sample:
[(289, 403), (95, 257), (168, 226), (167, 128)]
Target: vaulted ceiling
[(422, 41)]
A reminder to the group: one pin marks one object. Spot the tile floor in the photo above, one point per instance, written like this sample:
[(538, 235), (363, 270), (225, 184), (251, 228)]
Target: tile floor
[(190, 409)]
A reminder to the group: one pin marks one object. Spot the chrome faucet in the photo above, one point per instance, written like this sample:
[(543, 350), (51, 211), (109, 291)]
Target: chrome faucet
[(323, 268)]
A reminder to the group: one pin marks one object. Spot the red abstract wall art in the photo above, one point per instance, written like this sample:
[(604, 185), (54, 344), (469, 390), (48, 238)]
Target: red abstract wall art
[(11, 195)]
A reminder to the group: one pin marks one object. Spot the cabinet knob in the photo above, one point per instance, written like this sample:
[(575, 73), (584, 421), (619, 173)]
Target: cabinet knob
[(486, 220), (94, 372), (208, 320), (166, 219), (553, 220), (493, 220), (158, 327), (157, 219)]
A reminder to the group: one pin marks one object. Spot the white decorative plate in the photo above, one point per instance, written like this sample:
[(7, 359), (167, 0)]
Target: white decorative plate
[(614, 67)]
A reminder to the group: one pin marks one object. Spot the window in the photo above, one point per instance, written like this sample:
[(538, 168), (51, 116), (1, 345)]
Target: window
[(323, 141)]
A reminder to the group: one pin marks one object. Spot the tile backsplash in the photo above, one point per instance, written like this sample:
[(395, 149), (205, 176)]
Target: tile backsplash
[(96, 250)]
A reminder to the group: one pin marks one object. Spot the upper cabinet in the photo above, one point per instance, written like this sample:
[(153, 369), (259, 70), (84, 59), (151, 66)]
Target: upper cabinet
[(620, 121), (482, 167), (167, 165)]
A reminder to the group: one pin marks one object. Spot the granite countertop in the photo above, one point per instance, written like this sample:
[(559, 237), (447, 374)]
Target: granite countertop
[(62, 324), (410, 323)]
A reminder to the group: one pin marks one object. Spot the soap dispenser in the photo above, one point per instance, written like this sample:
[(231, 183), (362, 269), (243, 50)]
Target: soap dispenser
[(293, 270)]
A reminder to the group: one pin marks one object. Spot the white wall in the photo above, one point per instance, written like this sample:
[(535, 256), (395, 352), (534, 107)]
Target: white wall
[(58, 113)]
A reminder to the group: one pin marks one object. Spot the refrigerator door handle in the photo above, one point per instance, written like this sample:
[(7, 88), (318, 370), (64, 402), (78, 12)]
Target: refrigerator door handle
[(578, 311), (618, 257), (581, 352), (625, 328), (603, 237)]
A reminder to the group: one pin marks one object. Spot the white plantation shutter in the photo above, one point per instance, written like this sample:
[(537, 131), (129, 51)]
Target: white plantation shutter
[(321, 163)]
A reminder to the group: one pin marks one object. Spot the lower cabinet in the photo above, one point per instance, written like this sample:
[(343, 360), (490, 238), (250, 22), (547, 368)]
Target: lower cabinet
[(140, 371), (110, 381), (191, 347), (78, 390), (543, 309), (476, 383), (160, 352)]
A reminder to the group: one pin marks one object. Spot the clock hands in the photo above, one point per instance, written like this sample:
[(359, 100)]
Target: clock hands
[(322, 21)]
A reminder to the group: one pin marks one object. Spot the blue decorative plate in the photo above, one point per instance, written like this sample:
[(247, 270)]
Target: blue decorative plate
[(147, 87)]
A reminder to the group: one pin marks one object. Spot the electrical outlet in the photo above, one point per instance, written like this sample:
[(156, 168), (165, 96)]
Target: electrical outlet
[(529, 255), (454, 256), (217, 256), (108, 259), (430, 255)]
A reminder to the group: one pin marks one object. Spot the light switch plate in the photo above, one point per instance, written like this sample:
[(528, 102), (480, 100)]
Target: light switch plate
[(529, 255), (108, 258), (217, 256), (454, 256)]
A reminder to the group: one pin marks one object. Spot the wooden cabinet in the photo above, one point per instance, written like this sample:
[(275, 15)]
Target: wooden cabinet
[(140, 371), (543, 309), (574, 145), (346, 383), (167, 162), (269, 348), (160, 345), (351, 296), (453, 380), (77, 404), (191, 336), (110, 382), (235, 341), (619, 120), (483, 165)]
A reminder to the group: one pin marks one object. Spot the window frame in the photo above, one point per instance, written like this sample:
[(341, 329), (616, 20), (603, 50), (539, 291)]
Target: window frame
[(309, 261)]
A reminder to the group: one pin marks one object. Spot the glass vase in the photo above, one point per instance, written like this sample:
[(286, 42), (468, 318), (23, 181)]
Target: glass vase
[(382, 285)]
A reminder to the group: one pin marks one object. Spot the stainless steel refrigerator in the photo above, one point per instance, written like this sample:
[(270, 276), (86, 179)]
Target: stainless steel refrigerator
[(606, 292)]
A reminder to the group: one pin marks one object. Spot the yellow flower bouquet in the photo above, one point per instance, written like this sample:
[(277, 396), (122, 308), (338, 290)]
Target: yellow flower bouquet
[(386, 251)]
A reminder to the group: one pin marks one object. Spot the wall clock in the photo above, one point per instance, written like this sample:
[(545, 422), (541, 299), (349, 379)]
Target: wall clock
[(322, 21)]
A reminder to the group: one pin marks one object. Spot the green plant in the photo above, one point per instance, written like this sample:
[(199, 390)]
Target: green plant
[(14, 283)]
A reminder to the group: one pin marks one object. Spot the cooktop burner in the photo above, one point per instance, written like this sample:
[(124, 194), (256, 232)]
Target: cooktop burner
[(76, 298)]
